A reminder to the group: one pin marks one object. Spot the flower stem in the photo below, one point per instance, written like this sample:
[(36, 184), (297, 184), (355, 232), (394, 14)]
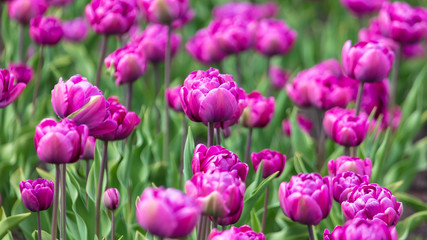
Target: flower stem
[(347, 151), (310, 232), (359, 98), (99, 189), (113, 225), (63, 202), (36, 87), (215, 223), (269, 90), (320, 141), (218, 136), (167, 83), (87, 177), (39, 226), (156, 93), (55, 203), (394, 78), (1, 36), (239, 70), (210, 134), (129, 96), (264, 215), (248, 146), (21, 43), (101, 60), (183, 139)]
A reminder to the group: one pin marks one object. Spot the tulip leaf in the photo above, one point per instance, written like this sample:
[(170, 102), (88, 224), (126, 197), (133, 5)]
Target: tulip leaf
[(411, 201), (408, 105), (188, 155), (15, 180), (139, 236), (379, 157), (45, 174), (410, 223), (45, 235), (255, 224), (10, 222)]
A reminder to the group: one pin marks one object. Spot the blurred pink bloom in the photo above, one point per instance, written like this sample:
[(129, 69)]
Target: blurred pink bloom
[(75, 30), (46, 30), (24, 10), (9, 91), (21, 72), (259, 111)]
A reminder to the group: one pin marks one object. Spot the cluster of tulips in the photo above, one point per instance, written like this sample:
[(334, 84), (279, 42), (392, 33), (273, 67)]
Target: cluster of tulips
[(215, 193)]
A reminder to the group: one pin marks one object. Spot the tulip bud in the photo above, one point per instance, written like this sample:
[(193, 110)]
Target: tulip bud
[(111, 199), (286, 127), (259, 111), (362, 229), (306, 198), (274, 37), (343, 183), (367, 61), (25, 10), (278, 77), (75, 30), (204, 48), (167, 213), (361, 8), (9, 91), (46, 30), (164, 11), (354, 164), (242, 233), (371, 201), (21, 72), (36, 194), (232, 35), (218, 158), (272, 161), (89, 152), (174, 99)]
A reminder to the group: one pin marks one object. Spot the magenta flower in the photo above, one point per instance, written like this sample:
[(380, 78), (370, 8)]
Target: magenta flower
[(274, 37), (153, 42), (245, 10), (203, 47), (373, 34), (37, 194), (403, 23), (242, 233), (75, 30), (220, 194), (25, 10), (165, 11), (241, 105), (46, 30), (416, 50), (259, 111), (9, 91), (343, 183), (173, 97), (344, 127), (376, 96), (111, 198), (208, 96), (362, 229), (306, 198), (111, 16), (129, 64), (286, 127), (21, 72), (126, 122), (278, 77), (272, 161), (60, 142), (232, 35), (367, 61), (218, 158), (371, 201), (361, 7), (305, 124), (59, 3), (79, 100), (346, 163), (167, 213), (89, 152)]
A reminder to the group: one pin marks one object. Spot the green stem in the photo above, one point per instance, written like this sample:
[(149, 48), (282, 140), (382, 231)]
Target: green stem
[(183, 139), (37, 84), (129, 96), (167, 83), (321, 141), (394, 78), (21, 43), (248, 146), (218, 136), (99, 189), (101, 60), (55, 203), (239, 70), (359, 98), (113, 225), (310, 232), (347, 151), (63, 202), (156, 71), (264, 215), (210, 134), (87, 177), (39, 226)]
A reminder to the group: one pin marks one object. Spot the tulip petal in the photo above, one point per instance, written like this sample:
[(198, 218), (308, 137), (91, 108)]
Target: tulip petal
[(54, 148), (219, 105)]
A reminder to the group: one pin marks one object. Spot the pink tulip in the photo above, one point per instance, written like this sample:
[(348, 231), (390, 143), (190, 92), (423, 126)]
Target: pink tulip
[(272, 162), (354, 164), (46, 30), (259, 111), (25, 10), (37, 195), (9, 91)]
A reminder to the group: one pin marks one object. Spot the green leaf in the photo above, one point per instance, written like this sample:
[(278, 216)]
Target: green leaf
[(410, 223), (45, 174), (255, 224), (188, 155), (379, 157), (10, 222), (45, 235), (139, 236), (412, 201)]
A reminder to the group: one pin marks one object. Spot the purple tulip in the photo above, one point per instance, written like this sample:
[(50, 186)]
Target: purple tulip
[(218, 158), (174, 98), (344, 127), (111, 16), (220, 194), (367, 61), (79, 100), (232, 35), (241, 105), (274, 37), (46, 30), (403, 23), (245, 10), (362, 229), (259, 111), (278, 77), (111, 199), (371, 201), (126, 121), (21, 72), (89, 152), (392, 118), (416, 50), (208, 96), (37, 194), (306, 198), (165, 11), (129, 64), (9, 91), (60, 142), (343, 183), (373, 34), (376, 96), (346, 163), (286, 127), (322, 86), (272, 161), (362, 7), (203, 47), (75, 30), (25, 10), (305, 124), (242, 233), (153, 42), (59, 3), (167, 213)]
